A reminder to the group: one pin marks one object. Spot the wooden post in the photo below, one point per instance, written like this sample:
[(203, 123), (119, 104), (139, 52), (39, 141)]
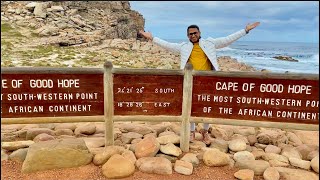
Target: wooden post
[(186, 108), (108, 103)]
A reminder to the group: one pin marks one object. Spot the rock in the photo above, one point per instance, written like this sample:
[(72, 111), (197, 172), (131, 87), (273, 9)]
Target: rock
[(32, 133), (308, 137), (243, 155), (191, 158), (109, 151), (70, 126), (183, 167), (12, 146), (148, 147), (60, 132), (277, 163), (94, 142), (312, 155), (154, 165), (291, 152), (315, 164), (219, 133), (135, 128), (4, 156), (258, 153), (31, 6), (252, 139), (237, 145), (45, 155), (170, 149), (220, 144), (273, 156), (300, 163), (173, 138), (244, 174), (293, 139), (272, 149), (197, 145), (170, 158), (271, 173), (39, 10), (245, 131), (258, 166), (296, 174), (285, 58), (87, 129), (19, 155), (118, 167), (43, 137), (271, 136), (126, 138), (127, 154), (214, 157), (304, 150)]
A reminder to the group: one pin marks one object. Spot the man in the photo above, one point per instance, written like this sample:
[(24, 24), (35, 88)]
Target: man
[(201, 53)]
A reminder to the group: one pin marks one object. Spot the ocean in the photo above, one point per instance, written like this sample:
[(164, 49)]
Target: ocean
[(260, 55)]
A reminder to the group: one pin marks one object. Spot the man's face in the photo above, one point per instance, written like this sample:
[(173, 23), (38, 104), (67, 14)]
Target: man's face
[(194, 35)]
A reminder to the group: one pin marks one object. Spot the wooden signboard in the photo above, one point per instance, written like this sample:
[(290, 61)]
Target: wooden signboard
[(40, 94), (256, 98), (147, 94)]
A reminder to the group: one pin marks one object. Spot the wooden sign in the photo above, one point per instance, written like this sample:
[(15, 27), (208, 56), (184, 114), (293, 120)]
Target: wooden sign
[(147, 94), (51, 95), (259, 99)]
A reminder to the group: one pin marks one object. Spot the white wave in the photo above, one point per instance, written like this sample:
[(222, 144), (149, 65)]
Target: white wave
[(227, 49), (316, 58)]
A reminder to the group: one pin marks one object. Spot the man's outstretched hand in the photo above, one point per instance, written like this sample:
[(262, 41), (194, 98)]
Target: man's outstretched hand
[(146, 35), (249, 26)]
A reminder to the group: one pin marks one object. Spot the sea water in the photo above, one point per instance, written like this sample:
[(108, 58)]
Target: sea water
[(261, 55)]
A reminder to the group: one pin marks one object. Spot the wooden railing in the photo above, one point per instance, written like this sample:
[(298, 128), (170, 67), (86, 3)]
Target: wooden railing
[(153, 95)]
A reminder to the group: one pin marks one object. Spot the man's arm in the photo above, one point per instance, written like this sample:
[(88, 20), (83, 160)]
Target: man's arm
[(226, 41), (173, 47)]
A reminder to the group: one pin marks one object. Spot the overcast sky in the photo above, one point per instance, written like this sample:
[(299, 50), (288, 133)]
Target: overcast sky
[(281, 21)]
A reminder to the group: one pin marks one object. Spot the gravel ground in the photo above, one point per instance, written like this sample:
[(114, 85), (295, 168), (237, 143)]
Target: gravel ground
[(11, 170)]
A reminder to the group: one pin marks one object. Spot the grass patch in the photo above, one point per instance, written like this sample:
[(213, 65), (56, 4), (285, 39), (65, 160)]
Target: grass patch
[(6, 28)]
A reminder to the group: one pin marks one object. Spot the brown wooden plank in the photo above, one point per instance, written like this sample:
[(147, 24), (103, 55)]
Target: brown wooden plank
[(147, 94), (22, 92), (213, 92)]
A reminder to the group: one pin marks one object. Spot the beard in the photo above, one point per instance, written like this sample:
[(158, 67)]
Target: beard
[(196, 41)]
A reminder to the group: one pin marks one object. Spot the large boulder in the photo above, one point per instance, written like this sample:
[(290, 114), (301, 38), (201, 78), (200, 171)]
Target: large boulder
[(296, 174), (148, 147), (214, 157), (154, 165), (118, 167), (62, 153)]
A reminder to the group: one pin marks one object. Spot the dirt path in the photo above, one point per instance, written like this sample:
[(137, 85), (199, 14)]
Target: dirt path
[(11, 170)]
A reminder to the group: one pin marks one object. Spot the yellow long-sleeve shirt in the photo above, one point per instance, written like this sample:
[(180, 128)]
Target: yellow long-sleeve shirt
[(198, 59)]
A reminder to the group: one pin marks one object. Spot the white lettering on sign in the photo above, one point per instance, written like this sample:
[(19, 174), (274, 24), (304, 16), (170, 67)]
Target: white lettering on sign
[(268, 101), (299, 89), (206, 109), (16, 83), (4, 83), (70, 108), (273, 88), (203, 97), (68, 83), (87, 96), (41, 83), (25, 109), (248, 86), (130, 104), (164, 90), (222, 99), (312, 103), (227, 86), (161, 104), (255, 112), (224, 110), (299, 115)]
